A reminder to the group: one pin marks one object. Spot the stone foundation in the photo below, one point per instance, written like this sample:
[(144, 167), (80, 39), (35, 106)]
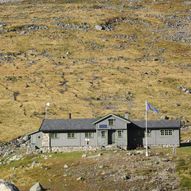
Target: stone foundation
[(67, 149), (84, 148)]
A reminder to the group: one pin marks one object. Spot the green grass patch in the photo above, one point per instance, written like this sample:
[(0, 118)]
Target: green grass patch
[(183, 166)]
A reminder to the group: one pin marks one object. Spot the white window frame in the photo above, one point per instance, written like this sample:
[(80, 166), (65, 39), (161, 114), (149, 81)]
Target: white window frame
[(162, 132), (111, 120), (120, 134), (104, 134), (89, 135), (166, 132), (54, 135), (71, 135), (148, 133)]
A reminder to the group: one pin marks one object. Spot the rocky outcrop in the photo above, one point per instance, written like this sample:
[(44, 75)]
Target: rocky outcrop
[(184, 89), (9, 1), (7, 186), (6, 149)]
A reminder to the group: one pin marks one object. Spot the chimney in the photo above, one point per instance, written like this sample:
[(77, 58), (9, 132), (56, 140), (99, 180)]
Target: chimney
[(70, 116), (126, 115)]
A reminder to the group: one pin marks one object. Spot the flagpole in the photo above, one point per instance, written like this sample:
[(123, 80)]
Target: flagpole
[(146, 126)]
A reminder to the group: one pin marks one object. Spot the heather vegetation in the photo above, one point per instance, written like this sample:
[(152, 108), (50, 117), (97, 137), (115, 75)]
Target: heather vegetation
[(91, 58)]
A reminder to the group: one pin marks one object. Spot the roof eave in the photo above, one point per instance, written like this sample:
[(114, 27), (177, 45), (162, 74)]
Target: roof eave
[(66, 130)]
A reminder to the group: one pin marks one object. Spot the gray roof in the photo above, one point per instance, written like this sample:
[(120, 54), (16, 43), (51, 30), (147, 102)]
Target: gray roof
[(155, 124), (67, 124), (88, 124)]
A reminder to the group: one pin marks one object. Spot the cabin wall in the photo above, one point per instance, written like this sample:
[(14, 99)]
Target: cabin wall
[(121, 141), (156, 139), (102, 141), (118, 124), (79, 140), (36, 140)]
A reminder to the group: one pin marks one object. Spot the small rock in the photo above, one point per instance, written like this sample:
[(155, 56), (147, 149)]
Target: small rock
[(101, 166), (65, 166), (126, 177), (37, 187), (170, 170), (80, 178), (98, 27), (140, 152), (33, 164), (157, 162), (84, 155), (165, 117), (165, 160), (100, 154)]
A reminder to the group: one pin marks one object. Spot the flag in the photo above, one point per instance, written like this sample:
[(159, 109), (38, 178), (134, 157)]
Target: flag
[(152, 108)]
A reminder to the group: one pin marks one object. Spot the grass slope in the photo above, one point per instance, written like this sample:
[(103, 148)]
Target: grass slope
[(78, 69), (103, 172)]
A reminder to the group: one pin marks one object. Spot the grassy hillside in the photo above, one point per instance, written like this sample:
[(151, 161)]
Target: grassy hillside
[(52, 52), (70, 171)]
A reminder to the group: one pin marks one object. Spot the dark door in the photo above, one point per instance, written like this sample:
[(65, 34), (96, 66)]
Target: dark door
[(135, 137), (111, 137)]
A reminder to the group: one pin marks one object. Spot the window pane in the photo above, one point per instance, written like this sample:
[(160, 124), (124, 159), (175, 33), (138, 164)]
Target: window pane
[(88, 135), (119, 134), (103, 134), (149, 133), (111, 122), (71, 135), (54, 135)]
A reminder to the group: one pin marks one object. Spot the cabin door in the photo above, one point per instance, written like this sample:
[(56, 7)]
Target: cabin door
[(111, 137)]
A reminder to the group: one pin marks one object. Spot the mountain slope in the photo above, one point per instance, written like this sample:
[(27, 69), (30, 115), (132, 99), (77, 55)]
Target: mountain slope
[(54, 51)]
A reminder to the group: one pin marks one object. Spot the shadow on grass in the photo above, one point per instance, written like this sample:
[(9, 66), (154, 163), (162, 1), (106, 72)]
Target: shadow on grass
[(185, 144)]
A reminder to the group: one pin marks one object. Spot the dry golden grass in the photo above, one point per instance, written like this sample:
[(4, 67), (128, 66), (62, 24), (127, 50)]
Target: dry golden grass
[(100, 68)]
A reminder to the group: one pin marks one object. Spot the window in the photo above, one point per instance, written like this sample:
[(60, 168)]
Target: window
[(103, 134), (148, 133), (54, 135), (111, 122), (119, 134), (166, 132), (71, 135), (89, 135), (170, 132)]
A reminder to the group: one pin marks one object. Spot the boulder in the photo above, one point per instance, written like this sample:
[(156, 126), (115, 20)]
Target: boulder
[(98, 27), (65, 166), (80, 178), (7, 186), (126, 177), (84, 155), (37, 187)]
